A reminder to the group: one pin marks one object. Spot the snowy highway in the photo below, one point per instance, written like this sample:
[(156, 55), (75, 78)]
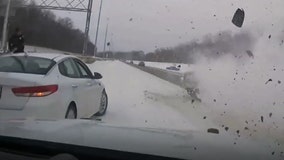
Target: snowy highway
[(139, 99)]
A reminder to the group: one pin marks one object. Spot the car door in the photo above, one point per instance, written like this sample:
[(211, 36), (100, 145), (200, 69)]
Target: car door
[(92, 88), (72, 86)]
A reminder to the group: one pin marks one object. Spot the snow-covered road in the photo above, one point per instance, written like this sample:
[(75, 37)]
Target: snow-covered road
[(139, 99)]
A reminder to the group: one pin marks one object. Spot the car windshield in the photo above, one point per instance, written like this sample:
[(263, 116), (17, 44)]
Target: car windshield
[(177, 78), (23, 64)]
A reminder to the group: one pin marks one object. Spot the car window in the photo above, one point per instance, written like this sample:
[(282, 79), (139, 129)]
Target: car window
[(29, 65), (67, 68), (84, 71)]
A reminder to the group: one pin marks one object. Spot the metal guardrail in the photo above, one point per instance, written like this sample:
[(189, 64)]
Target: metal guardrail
[(173, 77)]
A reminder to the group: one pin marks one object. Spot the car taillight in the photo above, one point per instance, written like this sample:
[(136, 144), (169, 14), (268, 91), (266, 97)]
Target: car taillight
[(37, 91)]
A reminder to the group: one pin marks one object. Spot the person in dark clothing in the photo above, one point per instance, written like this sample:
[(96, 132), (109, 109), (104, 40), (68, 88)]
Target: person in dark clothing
[(17, 42)]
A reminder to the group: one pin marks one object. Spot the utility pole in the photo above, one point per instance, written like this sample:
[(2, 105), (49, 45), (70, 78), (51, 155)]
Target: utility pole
[(105, 38), (87, 27), (5, 25), (98, 26)]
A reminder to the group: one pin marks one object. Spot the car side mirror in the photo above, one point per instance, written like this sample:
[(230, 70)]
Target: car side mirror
[(97, 76)]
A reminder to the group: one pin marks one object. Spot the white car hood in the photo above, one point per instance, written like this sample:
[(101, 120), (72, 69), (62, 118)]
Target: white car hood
[(169, 143)]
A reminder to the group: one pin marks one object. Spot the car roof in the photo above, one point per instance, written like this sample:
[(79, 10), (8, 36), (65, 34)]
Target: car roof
[(52, 56)]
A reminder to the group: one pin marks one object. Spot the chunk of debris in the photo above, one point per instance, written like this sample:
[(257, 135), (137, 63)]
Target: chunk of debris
[(261, 119), (269, 36), (270, 80), (273, 153), (246, 122), (213, 130), (279, 82), (238, 18), (204, 117), (226, 128), (195, 148), (214, 100), (192, 101), (250, 54), (238, 132), (131, 19), (246, 128), (270, 115)]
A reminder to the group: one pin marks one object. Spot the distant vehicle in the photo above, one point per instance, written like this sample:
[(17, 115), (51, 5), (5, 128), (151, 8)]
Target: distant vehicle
[(49, 86), (141, 64), (174, 68)]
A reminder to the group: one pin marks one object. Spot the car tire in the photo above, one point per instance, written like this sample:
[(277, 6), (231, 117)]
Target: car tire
[(103, 104), (71, 112)]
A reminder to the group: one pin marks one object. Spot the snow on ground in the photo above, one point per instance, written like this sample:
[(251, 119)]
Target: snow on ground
[(43, 50), (139, 99)]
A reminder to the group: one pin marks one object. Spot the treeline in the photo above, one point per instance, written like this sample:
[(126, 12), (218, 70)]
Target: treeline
[(211, 46), (42, 28)]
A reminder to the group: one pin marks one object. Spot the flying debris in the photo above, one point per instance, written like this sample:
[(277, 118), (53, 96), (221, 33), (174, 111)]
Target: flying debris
[(250, 54), (213, 130), (238, 18), (270, 80)]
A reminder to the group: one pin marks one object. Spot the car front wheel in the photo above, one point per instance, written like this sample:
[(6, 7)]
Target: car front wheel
[(71, 112), (103, 104)]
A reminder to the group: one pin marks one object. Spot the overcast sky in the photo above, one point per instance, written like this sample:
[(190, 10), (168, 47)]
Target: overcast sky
[(150, 24)]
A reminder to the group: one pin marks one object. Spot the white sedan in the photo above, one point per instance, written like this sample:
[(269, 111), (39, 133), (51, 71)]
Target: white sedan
[(49, 86)]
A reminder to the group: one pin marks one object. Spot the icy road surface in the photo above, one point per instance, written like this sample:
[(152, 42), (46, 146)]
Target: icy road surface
[(139, 99)]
